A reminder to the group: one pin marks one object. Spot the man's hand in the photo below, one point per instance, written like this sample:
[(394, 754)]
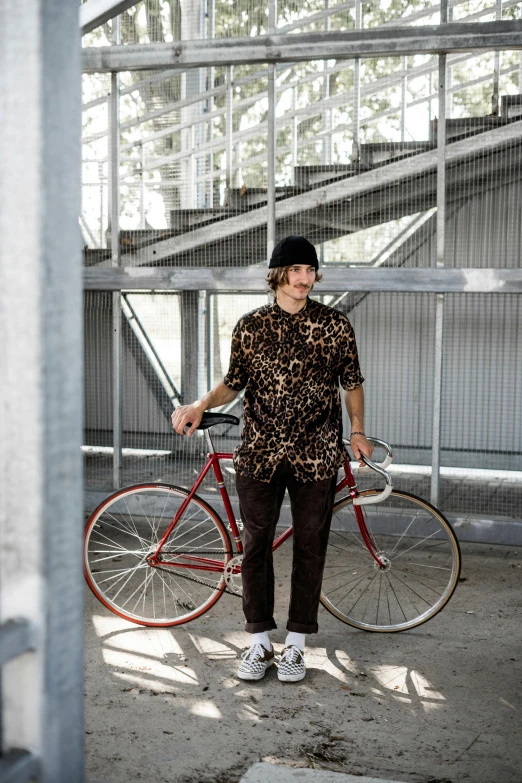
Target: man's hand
[(192, 414), (187, 414), (360, 445)]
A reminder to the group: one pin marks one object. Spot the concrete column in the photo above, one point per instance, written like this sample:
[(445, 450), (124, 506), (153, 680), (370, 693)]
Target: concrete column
[(41, 513)]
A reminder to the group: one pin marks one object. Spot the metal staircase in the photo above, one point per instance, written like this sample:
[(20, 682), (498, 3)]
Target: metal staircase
[(389, 181)]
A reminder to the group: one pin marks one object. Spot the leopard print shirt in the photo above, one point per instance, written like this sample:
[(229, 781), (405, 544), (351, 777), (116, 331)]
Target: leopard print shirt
[(291, 365)]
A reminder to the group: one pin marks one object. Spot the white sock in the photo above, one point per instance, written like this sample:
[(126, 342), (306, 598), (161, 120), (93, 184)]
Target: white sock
[(262, 638), (296, 639)]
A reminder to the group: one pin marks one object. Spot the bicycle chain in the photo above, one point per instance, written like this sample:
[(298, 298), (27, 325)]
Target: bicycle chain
[(194, 578)]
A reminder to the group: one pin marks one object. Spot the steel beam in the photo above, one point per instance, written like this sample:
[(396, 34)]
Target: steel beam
[(241, 279), (356, 116), (440, 263), (229, 128), (94, 13), (374, 42), (117, 345), (271, 141)]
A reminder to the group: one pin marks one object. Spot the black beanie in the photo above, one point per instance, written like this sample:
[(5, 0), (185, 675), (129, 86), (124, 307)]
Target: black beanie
[(294, 250)]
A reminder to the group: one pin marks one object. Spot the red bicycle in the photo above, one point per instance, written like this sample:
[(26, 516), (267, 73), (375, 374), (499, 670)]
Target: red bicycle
[(159, 555)]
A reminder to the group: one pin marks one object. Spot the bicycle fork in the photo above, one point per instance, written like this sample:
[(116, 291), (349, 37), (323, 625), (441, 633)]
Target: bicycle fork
[(351, 486)]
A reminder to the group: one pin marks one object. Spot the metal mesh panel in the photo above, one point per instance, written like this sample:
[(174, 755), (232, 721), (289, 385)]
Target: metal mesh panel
[(95, 192), (356, 166), (98, 434), (482, 426), (160, 368), (364, 122), (163, 21), (395, 338)]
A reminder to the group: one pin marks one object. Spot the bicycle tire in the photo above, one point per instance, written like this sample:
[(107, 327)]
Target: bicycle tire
[(126, 527), (422, 571)]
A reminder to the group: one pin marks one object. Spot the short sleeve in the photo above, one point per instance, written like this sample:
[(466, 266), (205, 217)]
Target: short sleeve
[(237, 376), (349, 372)]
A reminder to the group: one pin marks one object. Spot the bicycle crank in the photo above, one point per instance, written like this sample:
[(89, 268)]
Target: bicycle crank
[(233, 575)]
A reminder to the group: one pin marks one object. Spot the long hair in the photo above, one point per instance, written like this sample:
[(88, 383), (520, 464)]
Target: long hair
[(279, 276)]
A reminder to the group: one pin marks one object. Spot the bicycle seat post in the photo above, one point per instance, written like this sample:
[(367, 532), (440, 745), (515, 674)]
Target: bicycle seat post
[(209, 442)]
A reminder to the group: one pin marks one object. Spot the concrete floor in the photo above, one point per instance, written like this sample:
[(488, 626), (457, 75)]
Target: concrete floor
[(439, 704)]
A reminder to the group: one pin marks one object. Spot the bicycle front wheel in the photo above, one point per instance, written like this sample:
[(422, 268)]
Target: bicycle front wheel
[(422, 564), (126, 529)]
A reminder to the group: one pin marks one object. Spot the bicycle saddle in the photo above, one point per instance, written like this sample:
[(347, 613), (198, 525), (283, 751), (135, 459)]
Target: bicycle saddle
[(209, 419)]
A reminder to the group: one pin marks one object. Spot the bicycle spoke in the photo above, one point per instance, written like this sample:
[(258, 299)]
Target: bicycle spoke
[(369, 590), (414, 546), (120, 573), (144, 592), (395, 595), (426, 565), (346, 584), (378, 602), (156, 527), (131, 520), (189, 597), (402, 568), (358, 582), (402, 536), (143, 582), (361, 595), (130, 513), (402, 582), (120, 529), (416, 579), (191, 542), (358, 541)]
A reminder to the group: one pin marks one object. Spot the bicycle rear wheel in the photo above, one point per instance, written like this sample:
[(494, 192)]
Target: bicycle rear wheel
[(127, 527), (422, 557)]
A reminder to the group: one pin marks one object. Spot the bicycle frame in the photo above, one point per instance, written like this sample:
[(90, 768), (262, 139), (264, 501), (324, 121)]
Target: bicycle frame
[(208, 564)]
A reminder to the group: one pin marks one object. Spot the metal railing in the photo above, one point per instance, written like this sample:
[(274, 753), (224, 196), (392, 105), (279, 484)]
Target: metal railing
[(290, 117)]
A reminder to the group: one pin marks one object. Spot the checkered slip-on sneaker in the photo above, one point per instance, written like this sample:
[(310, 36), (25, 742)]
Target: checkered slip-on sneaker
[(255, 662), (291, 666)]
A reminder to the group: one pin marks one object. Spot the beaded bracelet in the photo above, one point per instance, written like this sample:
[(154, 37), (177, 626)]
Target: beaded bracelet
[(357, 433)]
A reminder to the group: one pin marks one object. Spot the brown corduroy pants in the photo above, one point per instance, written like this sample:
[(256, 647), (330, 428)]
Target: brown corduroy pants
[(260, 505)]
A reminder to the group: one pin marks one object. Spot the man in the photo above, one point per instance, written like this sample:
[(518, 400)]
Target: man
[(289, 357)]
